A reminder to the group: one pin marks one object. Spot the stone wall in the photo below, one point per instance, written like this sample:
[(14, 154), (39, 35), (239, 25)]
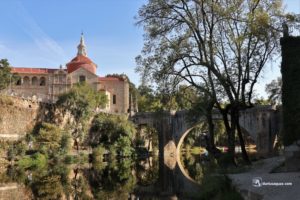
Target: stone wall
[(121, 91), (30, 85), (17, 117)]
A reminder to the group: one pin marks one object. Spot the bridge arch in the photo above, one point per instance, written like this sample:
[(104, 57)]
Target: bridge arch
[(181, 141)]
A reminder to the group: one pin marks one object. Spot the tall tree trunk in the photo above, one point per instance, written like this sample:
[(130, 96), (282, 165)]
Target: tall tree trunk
[(242, 142), (230, 134), (211, 133)]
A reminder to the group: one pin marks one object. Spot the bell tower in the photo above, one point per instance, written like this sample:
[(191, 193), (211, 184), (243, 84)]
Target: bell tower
[(81, 47)]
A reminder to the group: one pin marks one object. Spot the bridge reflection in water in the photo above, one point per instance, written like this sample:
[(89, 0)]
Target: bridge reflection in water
[(261, 123), (173, 181)]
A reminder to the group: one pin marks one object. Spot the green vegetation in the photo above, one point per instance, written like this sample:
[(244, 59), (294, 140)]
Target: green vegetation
[(114, 133), (48, 139), (6, 77), (274, 91), (146, 140), (98, 155), (80, 101), (207, 46), (47, 143), (115, 180), (35, 161), (181, 98)]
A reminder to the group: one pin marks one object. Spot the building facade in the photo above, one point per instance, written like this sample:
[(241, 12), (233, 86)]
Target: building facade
[(46, 84)]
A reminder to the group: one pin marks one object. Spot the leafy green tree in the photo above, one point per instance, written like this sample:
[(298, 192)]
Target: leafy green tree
[(218, 47), (81, 100), (6, 77), (65, 143), (186, 97), (80, 186), (115, 180), (98, 155), (125, 146), (274, 90), (47, 187), (114, 132), (35, 161), (48, 139), (147, 100), (262, 101)]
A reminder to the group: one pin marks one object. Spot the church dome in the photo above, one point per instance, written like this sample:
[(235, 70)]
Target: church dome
[(81, 60)]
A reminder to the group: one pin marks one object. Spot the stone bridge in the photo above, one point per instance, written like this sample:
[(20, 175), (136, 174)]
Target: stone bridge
[(261, 123)]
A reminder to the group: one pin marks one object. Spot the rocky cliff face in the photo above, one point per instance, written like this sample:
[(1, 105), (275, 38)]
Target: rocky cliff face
[(17, 117), (14, 191)]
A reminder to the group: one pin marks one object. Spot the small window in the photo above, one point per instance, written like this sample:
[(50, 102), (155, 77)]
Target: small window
[(19, 82), (42, 81), (81, 79), (114, 99)]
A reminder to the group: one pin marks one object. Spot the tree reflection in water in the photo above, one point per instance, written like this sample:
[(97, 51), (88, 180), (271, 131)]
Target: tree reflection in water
[(116, 179)]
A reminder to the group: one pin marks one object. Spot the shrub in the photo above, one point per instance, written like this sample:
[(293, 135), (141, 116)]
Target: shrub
[(36, 161), (48, 139), (69, 159), (65, 143), (98, 154)]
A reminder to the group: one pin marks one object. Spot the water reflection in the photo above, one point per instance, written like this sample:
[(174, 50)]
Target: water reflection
[(115, 179), (147, 178)]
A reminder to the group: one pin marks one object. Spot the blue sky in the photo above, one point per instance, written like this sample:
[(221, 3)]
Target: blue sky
[(44, 33), (37, 33)]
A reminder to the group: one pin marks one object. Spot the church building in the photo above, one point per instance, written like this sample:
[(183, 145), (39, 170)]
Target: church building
[(46, 84)]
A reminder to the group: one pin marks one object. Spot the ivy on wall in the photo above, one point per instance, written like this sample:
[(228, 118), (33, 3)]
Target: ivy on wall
[(290, 69)]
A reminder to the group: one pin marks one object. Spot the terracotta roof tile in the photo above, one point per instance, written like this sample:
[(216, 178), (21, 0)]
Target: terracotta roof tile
[(24, 70)]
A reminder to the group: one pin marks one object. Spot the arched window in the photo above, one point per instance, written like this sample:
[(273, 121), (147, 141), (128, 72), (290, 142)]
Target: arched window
[(26, 80), (82, 79), (34, 80), (42, 81), (19, 81)]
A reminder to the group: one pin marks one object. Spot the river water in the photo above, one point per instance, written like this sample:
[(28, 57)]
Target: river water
[(122, 179)]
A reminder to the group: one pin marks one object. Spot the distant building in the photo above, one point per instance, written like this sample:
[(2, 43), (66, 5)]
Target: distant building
[(46, 84)]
